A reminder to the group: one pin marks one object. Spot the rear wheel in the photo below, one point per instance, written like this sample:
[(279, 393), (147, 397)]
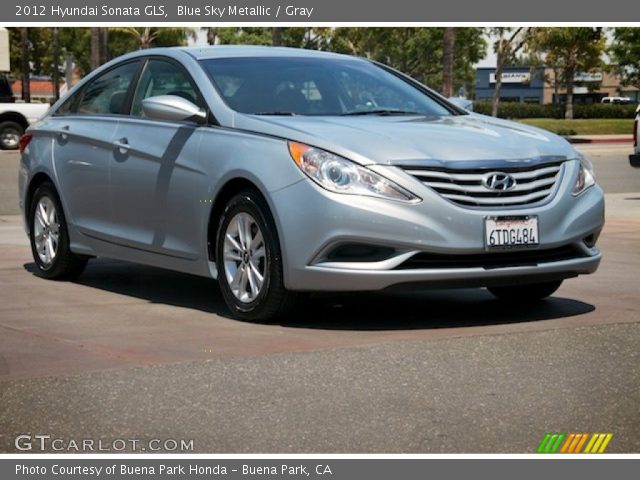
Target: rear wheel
[(249, 261), (526, 293), (10, 133), (50, 238)]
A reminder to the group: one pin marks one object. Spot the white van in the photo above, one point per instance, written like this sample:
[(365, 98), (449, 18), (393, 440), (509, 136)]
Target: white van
[(616, 100)]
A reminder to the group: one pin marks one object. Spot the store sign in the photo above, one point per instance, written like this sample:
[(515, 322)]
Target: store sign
[(512, 77), (588, 77)]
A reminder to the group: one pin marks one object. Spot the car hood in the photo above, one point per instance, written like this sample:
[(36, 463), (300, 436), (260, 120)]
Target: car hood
[(414, 140)]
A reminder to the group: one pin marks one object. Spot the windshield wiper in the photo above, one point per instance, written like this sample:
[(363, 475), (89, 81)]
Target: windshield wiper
[(381, 112), (288, 114)]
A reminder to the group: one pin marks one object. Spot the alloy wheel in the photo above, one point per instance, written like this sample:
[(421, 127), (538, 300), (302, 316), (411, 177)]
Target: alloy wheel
[(46, 228), (10, 137), (244, 256)]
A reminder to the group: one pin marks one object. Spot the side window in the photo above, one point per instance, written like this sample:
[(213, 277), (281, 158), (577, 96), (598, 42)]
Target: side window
[(67, 107), (164, 78), (107, 93)]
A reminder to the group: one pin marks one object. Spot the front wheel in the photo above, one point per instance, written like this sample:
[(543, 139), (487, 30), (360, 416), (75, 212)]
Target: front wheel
[(249, 261), (526, 293)]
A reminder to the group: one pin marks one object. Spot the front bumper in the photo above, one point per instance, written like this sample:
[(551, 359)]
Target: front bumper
[(316, 278), (312, 222)]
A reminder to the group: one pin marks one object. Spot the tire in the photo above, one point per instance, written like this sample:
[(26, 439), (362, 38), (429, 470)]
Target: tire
[(526, 293), (244, 259), (55, 260), (10, 133)]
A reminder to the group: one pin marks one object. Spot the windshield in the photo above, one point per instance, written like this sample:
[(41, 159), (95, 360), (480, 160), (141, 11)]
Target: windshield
[(316, 86)]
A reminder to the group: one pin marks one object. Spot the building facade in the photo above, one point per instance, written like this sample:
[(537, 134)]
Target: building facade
[(538, 85), (519, 84)]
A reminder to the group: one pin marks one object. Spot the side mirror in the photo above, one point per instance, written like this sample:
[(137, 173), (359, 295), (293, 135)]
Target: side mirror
[(462, 103), (172, 108)]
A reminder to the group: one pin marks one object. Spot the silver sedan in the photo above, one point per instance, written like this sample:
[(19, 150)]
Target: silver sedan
[(282, 171)]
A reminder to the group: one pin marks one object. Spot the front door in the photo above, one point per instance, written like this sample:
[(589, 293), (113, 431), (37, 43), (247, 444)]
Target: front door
[(156, 175)]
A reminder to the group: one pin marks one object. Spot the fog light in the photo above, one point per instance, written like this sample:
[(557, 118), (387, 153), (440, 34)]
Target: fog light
[(359, 252)]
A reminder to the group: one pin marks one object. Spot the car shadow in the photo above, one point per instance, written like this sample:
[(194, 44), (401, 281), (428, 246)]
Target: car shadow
[(430, 309)]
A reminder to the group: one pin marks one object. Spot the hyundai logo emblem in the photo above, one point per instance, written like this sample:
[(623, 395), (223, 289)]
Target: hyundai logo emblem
[(499, 181)]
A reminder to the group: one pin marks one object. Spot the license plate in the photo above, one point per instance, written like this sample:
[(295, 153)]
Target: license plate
[(511, 232)]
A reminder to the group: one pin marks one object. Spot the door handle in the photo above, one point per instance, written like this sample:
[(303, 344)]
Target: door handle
[(122, 145)]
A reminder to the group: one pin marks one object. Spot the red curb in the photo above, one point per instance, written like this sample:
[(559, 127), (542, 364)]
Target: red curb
[(628, 139)]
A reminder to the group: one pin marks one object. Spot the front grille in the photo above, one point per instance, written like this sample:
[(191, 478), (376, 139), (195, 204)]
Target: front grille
[(489, 260), (533, 184)]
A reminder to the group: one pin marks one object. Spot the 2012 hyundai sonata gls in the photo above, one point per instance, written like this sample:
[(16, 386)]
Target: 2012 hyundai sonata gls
[(279, 171)]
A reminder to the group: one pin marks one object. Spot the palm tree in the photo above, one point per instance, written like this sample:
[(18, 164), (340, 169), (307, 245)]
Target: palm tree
[(146, 36), (95, 48), (104, 45), (447, 61), (26, 65), (56, 62), (212, 35), (276, 36)]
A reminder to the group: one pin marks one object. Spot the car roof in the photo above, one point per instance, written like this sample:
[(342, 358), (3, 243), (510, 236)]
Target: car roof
[(234, 51)]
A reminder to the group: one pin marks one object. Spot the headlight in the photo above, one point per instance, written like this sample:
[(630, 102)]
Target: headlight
[(585, 178), (340, 175)]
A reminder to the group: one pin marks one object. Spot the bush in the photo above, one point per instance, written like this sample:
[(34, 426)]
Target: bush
[(565, 132), (536, 110), (600, 110)]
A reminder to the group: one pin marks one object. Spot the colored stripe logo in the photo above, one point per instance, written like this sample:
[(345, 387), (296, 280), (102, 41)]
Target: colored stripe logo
[(574, 442)]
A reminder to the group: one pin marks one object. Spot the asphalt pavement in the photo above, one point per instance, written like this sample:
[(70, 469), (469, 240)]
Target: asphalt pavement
[(135, 352), (485, 393)]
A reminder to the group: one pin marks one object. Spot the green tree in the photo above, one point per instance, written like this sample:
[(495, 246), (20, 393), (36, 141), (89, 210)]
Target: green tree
[(147, 37), (569, 50), (625, 52), (39, 41), (77, 42), (508, 43), (244, 36), (298, 37), (418, 52), (47, 49)]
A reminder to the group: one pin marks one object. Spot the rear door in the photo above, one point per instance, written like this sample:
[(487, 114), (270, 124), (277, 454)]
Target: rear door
[(156, 176), (84, 131)]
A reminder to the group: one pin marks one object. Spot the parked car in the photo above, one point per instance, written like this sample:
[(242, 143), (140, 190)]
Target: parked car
[(616, 100), (282, 171), (15, 117), (462, 102), (634, 158)]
